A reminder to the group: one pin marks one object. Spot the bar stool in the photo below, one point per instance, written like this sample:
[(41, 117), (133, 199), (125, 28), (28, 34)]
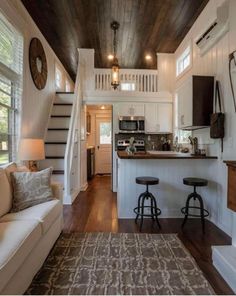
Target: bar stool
[(195, 182), (139, 210)]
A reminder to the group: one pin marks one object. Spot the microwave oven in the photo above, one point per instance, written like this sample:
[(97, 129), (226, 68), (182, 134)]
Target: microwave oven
[(131, 124)]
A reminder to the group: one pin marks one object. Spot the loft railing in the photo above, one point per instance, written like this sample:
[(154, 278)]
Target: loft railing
[(130, 80)]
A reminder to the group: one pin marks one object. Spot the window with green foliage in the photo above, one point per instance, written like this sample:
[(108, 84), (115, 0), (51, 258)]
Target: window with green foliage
[(105, 133), (11, 63)]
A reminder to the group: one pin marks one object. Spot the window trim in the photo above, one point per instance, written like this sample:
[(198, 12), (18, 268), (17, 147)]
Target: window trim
[(15, 76), (182, 57)]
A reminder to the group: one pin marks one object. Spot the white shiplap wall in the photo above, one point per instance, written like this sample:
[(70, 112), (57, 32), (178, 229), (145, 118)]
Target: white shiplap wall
[(36, 104), (215, 62)]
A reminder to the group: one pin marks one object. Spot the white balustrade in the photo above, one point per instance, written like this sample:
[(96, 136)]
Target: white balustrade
[(143, 80)]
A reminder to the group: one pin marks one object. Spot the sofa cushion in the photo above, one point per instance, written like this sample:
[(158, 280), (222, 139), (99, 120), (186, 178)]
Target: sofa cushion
[(30, 189), (5, 193), (10, 168), (17, 239), (46, 213)]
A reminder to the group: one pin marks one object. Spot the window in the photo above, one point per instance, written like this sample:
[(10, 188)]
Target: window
[(105, 133), (58, 79), (127, 86), (11, 63), (184, 61), (183, 136), (68, 87)]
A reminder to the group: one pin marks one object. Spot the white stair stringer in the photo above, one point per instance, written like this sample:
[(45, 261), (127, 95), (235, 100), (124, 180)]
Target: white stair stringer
[(56, 140)]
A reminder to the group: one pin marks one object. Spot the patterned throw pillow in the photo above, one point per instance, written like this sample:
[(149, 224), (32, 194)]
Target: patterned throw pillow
[(30, 189)]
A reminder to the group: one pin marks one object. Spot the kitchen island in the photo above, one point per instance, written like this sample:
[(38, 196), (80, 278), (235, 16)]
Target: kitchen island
[(170, 168)]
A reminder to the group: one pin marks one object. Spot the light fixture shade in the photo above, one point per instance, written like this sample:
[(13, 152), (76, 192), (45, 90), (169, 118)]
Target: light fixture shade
[(115, 75), (31, 149)]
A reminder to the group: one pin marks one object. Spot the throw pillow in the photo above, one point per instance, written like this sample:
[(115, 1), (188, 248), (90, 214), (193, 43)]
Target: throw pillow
[(30, 189)]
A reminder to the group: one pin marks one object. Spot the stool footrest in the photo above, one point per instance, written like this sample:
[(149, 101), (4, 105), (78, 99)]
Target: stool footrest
[(138, 212), (183, 210)]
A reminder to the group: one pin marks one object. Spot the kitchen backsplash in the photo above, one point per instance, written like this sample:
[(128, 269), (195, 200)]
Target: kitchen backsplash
[(151, 140)]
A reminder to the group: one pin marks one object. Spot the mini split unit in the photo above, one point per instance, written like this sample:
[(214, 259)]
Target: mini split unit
[(216, 30)]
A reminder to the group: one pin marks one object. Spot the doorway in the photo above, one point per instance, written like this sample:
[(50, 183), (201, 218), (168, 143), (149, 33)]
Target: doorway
[(99, 142), (103, 163)]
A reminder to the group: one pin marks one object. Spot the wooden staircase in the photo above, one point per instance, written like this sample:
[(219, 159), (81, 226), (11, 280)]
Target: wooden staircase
[(56, 136)]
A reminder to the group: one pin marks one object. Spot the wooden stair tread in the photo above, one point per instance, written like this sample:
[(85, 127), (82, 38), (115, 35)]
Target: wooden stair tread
[(64, 92), (60, 116), (58, 172), (58, 129), (62, 104), (54, 157), (55, 143)]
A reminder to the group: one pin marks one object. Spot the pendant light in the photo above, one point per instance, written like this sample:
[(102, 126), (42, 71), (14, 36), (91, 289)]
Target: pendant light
[(115, 66)]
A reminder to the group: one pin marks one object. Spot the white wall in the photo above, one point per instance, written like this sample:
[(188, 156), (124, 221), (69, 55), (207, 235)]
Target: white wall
[(35, 104), (215, 62)]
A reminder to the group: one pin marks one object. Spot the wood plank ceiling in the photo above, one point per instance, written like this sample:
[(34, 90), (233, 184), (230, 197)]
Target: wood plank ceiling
[(146, 26)]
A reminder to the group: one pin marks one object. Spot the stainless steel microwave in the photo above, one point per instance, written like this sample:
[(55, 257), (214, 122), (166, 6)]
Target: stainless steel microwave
[(131, 124)]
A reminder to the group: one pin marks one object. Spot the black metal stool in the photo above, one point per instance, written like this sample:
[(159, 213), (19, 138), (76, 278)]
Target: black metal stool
[(139, 210), (195, 182)]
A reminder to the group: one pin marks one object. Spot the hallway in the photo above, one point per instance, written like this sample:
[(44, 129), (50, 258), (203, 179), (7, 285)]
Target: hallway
[(95, 210)]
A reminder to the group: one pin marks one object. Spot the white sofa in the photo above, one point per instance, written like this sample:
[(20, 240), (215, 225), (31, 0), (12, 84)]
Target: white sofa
[(26, 237)]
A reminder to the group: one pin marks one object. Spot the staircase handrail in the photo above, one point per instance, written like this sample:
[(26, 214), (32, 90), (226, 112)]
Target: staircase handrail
[(73, 136)]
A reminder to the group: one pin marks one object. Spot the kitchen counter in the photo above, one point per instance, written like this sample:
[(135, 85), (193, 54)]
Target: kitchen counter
[(170, 167), (161, 155)]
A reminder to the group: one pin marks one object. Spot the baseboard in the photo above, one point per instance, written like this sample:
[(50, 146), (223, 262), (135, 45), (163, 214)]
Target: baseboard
[(69, 199), (74, 194), (84, 187)]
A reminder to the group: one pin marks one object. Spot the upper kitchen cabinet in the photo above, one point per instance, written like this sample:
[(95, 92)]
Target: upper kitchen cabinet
[(195, 102), (158, 118), (128, 109)]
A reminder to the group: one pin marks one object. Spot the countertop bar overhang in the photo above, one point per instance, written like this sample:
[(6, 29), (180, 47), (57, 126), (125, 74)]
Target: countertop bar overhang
[(147, 155)]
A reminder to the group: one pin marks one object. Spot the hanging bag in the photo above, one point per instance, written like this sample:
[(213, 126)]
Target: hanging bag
[(217, 130)]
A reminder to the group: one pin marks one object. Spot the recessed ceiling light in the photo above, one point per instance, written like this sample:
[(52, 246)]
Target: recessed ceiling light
[(148, 57), (103, 107), (110, 57)]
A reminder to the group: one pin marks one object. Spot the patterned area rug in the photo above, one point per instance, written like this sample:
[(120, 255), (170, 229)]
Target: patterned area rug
[(119, 263)]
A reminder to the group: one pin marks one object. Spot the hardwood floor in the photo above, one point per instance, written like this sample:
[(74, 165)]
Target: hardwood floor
[(95, 210)]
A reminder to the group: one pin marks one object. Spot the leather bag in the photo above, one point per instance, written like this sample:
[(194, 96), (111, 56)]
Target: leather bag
[(217, 130)]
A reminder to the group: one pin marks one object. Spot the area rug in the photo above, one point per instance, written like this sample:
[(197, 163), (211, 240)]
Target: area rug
[(119, 263)]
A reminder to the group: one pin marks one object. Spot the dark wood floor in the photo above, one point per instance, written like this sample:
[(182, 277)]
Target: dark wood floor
[(95, 210)]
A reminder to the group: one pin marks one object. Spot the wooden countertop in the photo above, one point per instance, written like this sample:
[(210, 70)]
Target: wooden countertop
[(230, 162), (147, 155)]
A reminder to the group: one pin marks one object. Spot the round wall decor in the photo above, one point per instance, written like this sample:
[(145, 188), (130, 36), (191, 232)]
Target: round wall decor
[(38, 63)]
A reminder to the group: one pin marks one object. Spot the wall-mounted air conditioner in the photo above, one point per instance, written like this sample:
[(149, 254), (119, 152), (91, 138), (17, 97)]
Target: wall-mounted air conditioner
[(216, 30)]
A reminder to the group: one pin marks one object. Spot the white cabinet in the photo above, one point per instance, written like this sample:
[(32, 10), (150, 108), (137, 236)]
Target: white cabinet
[(158, 118), (128, 109), (185, 104)]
